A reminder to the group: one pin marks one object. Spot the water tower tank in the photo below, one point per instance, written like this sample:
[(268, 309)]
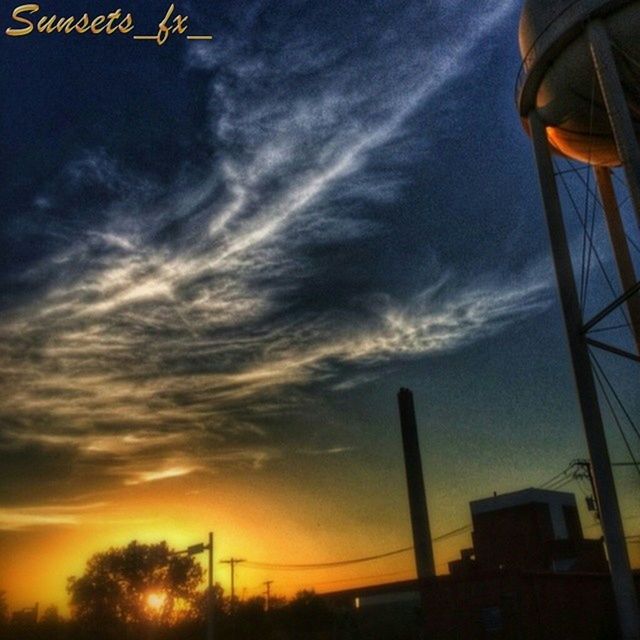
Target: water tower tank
[(558, 78)]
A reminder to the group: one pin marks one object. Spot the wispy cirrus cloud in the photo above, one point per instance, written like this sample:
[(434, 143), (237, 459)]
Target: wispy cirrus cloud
[(26, 517), (166, 337)]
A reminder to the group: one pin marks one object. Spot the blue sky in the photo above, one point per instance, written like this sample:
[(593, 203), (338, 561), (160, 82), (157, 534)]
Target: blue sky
[(224, 258)]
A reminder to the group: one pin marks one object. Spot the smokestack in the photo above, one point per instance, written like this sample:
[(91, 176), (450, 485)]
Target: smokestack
[(415, 485)]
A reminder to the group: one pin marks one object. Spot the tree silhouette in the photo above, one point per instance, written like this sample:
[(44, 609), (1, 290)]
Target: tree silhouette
[(134, 587), (4, 610), (51, 625), (309, 614), (4, 615)]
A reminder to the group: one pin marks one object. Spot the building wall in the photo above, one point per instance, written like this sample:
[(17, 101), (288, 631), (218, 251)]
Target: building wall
[(531, 530), (513, 538), (498, 606), (521, 606)]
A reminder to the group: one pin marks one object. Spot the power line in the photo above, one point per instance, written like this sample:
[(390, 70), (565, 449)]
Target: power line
[(323, 565), (550, 481), (341, 563), (554, 483), (560, 485), (407, 573), (452, 534)]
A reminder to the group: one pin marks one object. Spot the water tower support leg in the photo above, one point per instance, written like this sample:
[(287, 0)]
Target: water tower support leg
[(621, 576), (626, 269), (617, 109)]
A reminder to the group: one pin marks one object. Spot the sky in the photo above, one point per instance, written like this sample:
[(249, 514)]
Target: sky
[(220, 260)]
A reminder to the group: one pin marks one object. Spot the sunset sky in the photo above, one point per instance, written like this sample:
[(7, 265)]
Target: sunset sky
[(220, 260)]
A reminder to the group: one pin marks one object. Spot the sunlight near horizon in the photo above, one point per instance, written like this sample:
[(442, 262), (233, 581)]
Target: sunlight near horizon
[(156, 600)]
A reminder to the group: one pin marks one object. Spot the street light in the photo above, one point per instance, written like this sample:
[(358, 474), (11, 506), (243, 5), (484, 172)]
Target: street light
[(193, 550)]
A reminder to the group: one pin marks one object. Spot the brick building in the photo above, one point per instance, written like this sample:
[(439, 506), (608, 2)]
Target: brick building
[(529, 530), (530, 575)]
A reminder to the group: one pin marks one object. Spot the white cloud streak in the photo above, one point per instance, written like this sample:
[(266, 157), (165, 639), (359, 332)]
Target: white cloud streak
[(145, 349), (20, 518)]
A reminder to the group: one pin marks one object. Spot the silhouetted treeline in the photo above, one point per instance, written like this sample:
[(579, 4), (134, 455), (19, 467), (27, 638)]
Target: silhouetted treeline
[(304, 617), (152, 592)]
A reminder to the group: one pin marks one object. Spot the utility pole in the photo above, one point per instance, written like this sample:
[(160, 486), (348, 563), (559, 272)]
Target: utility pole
[(210, 603), (585, 465), (232, 562), (193, 550), (267, 594)]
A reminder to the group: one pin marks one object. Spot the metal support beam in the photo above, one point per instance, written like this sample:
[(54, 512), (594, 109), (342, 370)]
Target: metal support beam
[(626, 270), (617, 108), (621, 576), (611, 349), (610, 308)]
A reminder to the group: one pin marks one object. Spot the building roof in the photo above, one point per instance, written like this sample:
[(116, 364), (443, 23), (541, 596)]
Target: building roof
[(521, 498)]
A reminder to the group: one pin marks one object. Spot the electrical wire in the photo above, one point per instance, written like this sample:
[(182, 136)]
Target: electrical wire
[(250, 564), (561, 485), (408, 574), (554, 483), (563, 473), (323, 565), (558, 481)]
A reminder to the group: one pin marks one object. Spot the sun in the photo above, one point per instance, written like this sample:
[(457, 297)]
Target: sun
[(155, 600)]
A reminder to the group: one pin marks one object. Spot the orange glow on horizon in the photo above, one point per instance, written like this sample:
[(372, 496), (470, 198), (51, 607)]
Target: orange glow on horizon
[(283, 530), (252, 517)]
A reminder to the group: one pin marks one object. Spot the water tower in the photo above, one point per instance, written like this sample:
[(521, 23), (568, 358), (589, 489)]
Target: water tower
[(578, 94)]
